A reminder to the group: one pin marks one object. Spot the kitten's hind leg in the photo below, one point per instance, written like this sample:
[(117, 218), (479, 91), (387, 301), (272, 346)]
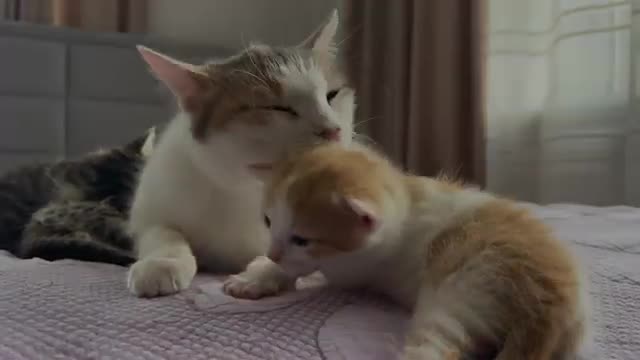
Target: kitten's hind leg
[(166, 264), (447, 321), (548, 337)]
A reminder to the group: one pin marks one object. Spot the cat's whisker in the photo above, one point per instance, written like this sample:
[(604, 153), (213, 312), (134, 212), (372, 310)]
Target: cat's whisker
[(253, 62), (254, 76), (355, 126), (349, 36), (360, 137)]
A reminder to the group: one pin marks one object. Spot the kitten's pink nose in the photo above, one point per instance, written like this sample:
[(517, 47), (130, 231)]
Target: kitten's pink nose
[(331, 134)]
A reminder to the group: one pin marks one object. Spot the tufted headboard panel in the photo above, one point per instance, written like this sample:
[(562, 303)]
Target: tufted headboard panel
[(64, 92)]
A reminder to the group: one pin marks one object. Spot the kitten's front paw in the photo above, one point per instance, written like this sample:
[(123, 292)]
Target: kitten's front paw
[(160, 276), (243, 287), (262, 278)]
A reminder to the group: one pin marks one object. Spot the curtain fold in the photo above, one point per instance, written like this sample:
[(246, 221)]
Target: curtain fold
[(94, 15), (563, 92), (418, 67)]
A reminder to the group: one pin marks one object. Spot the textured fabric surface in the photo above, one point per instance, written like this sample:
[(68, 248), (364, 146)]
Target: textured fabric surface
[(75, 310)]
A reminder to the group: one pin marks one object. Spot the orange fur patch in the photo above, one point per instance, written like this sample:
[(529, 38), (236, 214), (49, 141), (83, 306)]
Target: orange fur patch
[(232, 90), (313, 178), (529, 274)]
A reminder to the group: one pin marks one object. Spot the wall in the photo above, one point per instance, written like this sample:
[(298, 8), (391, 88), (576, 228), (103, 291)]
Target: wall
[(233, 23)]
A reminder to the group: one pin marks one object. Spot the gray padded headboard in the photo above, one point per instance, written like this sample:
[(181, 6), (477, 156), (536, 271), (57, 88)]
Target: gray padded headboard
[(64, 92)]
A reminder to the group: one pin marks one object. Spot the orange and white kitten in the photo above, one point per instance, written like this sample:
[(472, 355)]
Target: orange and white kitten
[(471, 266), (198, 204)]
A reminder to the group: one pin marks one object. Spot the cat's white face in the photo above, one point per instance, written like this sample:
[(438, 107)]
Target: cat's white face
[(310, 107), (246, 112)]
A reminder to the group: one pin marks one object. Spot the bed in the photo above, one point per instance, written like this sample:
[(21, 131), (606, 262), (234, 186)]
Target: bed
[(64, 92), (76, 310)]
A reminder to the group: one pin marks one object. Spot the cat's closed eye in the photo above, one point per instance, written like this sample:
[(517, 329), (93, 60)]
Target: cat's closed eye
[(267, 221), (285, 109), (299, 241), (332, 94)]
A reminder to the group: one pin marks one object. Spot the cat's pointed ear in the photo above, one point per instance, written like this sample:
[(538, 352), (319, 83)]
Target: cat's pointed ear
[(185, 81), (149, 142), (365, 212), (323, 39)]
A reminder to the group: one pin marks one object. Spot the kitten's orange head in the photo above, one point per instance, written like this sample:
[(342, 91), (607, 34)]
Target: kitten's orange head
[(255, 106), (324, 202)]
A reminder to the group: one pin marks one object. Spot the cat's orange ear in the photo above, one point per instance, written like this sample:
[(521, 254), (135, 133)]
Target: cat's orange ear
[(185, 81), (322, 40), (366, 213)]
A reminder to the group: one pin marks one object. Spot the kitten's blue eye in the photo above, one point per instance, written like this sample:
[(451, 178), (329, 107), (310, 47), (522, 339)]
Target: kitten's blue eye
[(332, 94), (299, 241), (285, 109)]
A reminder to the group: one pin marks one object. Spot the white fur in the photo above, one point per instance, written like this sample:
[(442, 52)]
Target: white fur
[(198, 202), (216, 219)]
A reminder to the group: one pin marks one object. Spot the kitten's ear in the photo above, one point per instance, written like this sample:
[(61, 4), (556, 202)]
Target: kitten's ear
[(323, 39), (366, 213), (185, 81)]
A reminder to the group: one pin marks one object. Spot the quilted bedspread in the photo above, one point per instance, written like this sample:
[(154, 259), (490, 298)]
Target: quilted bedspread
[(76, 310)]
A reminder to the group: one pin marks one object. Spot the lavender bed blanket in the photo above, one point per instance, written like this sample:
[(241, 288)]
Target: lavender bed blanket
[(76, 310)]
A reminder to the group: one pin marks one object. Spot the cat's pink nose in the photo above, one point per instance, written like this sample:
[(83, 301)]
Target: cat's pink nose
[(274, 255), (331, 134)]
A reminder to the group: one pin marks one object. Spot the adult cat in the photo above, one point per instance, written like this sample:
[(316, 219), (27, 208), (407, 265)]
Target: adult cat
[(73, 209), (198, 204)]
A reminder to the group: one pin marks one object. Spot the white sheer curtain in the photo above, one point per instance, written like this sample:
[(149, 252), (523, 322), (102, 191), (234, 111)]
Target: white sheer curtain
[(563, 121)]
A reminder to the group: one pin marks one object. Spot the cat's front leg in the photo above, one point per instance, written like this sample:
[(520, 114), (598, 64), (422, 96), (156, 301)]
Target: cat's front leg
[(166, 264), (262, 278)]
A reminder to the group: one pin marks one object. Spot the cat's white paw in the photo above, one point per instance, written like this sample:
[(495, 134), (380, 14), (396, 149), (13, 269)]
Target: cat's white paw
[(160, 276), (244, 287)]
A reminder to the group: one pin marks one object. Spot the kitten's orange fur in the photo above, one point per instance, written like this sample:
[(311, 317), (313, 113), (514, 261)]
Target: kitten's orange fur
[(470, 265)]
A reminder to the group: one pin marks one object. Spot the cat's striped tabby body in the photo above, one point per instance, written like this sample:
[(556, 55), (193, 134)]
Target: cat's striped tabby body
[(73, 209)]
